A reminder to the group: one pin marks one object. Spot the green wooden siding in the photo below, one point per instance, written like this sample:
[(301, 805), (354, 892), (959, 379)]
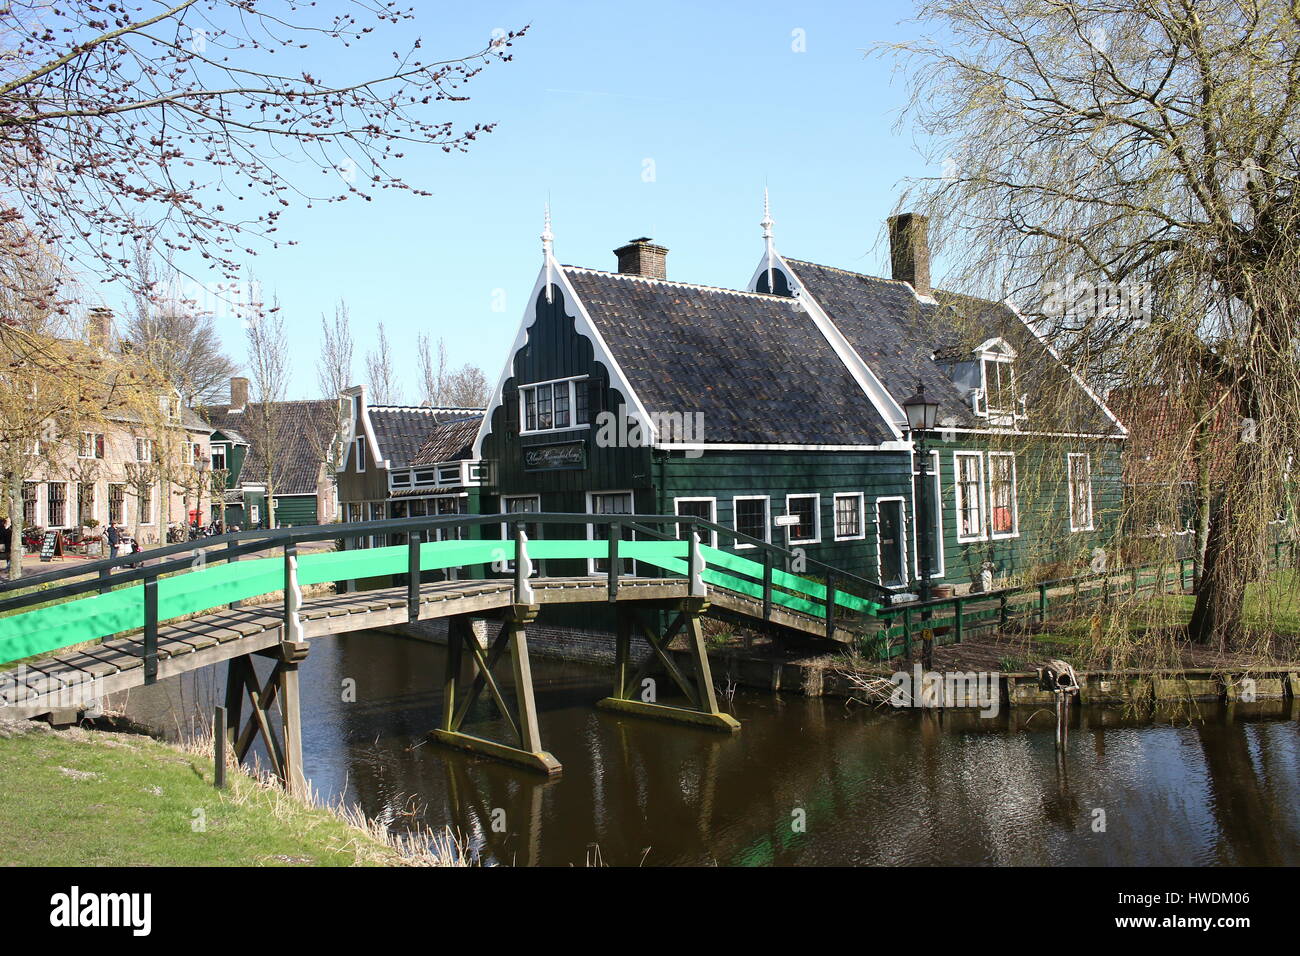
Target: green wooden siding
[(725, 475), (295, 510), (1042, 496)]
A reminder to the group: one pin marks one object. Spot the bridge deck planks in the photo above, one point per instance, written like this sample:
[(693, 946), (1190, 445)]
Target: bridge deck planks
[(117, 663)]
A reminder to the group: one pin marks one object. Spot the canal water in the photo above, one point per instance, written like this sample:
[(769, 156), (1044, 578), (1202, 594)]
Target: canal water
[(807, 781)]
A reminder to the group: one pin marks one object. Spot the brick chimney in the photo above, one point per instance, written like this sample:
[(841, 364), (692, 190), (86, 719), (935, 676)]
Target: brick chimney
[(238, 393), (99, 326), (909, 250), (641, 257)]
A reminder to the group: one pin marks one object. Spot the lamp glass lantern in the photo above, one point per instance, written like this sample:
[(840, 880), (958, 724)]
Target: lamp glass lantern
[(921, 412)]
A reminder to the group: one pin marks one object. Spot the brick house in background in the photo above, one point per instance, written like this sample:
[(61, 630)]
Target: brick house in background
[(1171, 472), (303, 489), (143, 477)]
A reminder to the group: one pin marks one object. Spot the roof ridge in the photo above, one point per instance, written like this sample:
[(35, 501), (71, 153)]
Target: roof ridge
[(426, 408), (888, 281), (847, 272), (686, 285)]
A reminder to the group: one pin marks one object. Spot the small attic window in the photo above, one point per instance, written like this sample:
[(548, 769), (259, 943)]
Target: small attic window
[(997, 377)]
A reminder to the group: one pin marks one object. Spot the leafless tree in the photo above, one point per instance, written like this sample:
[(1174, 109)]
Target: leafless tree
[(175, 120), (268, 366), (382, 377), (467, 387), (433, 370), (1147, 151), (333, 375), (173, 334)]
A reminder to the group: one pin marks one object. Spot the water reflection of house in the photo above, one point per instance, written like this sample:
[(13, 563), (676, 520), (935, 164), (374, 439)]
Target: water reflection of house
[(407, 460)]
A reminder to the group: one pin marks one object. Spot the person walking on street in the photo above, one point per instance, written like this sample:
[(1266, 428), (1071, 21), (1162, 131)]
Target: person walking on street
[(114, 538)]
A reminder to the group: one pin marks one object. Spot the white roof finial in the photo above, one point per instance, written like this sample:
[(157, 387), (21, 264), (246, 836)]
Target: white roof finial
[(767, 225), (548, 240)]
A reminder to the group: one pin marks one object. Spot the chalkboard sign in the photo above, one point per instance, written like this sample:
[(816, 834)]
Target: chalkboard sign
[(52, 545)]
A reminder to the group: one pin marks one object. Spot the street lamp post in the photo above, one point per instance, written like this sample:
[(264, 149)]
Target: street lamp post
[(921, 415)]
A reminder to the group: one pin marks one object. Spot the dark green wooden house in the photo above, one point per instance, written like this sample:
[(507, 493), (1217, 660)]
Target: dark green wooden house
[(628, 392), (407, 461), (294, 471)]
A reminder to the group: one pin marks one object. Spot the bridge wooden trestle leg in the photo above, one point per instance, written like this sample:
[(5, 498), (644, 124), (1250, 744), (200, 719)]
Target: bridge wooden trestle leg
[(459, 698), (630, 694), (283, 750)]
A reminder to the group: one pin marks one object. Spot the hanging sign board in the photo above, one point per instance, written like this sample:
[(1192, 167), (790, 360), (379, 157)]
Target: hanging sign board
[(570, 456)]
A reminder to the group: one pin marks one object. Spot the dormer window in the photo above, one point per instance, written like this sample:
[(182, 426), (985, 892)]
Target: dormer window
[(999, 386), (997, 389)]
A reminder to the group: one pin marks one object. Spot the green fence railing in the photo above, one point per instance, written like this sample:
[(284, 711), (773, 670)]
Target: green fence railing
[(112, 596)]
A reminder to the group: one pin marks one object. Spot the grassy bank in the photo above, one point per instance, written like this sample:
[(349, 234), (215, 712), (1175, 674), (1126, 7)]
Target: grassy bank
[(90, 798)]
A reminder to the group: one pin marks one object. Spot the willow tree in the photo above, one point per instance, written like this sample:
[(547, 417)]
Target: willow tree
[(1143, 156)]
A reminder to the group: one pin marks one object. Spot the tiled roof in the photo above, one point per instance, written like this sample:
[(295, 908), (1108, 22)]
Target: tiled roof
[(401, 430), (1161, 424), (301, 430), (755, 366), (449, 441), (898, 335)]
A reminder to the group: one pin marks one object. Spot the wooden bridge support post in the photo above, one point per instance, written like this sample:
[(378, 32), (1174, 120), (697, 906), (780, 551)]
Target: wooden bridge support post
[(284, 751), (459, 698), (697, 687)]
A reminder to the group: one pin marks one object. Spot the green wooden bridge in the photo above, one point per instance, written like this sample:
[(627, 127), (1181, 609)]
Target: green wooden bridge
[(71, 636)]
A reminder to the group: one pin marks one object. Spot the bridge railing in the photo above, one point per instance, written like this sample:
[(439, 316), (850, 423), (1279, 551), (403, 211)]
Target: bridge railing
[(110, 596)]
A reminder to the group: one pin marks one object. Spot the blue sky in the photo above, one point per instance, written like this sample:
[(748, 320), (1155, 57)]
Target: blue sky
[(715, 96)]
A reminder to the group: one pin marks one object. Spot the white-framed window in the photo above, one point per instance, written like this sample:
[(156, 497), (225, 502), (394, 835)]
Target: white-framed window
[(750, 515), (360, 452), (189, 452), (218, 457), (31, 504), (999, 383), (1004, 508), (116, 503), (1079, 472), (608, 503), (935, 504), (554, 405), (144, 504), (85, 503), (91, 445), (400, 479), (56, 504), (808, 509), (850, 521), (968, 483), (705, 508), (144, 449)]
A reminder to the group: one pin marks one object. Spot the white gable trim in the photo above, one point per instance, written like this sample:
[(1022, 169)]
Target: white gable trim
[(889, 410), (364, 416), (1073, 374), (584, 326)]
